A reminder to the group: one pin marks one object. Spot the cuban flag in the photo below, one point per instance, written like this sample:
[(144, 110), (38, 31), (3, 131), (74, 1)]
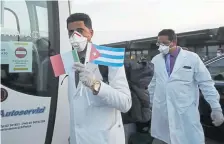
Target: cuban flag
[(107, 56)]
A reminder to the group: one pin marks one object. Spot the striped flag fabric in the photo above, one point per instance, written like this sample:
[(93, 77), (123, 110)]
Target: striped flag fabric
[(107, 56), (63, 63)]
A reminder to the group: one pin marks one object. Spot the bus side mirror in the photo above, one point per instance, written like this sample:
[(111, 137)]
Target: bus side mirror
[(2, 13)]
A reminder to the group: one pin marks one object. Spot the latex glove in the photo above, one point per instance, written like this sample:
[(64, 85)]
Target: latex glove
[(217, 117), (85, 75)]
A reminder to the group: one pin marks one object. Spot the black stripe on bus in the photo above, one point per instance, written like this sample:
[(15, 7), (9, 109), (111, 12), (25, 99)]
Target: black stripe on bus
[(53, 82)]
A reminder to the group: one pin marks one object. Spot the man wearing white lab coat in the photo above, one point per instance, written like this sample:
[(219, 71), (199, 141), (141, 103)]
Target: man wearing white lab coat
[(96, 111), (174, 93)]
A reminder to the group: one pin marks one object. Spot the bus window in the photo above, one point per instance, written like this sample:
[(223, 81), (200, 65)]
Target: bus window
[(127, 55), (15, 9), (26, 22), (138, 55), (42, 21), (201, 51), (11, 19), (216, 69), (212, 51)]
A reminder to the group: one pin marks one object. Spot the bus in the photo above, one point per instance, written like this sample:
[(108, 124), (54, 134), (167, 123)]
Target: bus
[(34, 105)]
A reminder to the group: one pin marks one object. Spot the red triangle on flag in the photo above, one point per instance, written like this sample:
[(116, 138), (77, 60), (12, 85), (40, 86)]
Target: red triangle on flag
[(76, 33), (94, 53)]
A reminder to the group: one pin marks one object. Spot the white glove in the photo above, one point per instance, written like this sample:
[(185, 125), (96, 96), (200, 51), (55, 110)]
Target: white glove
[(217, 117), (78, 41), (85, 75)]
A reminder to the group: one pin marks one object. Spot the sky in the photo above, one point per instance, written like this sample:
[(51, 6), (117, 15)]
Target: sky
[(121, 20), (20, 8)]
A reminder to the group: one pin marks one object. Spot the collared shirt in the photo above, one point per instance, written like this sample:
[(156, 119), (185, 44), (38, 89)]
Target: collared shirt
[(170, 60)]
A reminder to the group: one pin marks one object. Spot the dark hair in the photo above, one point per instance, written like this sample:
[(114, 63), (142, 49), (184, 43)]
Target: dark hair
[(80, 17), (170, 33)]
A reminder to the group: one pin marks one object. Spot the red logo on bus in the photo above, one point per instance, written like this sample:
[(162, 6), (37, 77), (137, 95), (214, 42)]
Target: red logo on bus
[(4, 94), (20, 52)]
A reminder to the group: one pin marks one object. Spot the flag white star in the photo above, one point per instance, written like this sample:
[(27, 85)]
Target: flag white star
[(94, 54)]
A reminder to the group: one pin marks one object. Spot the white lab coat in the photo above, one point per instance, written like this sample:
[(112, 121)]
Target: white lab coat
[(175, 115), (97, 119)]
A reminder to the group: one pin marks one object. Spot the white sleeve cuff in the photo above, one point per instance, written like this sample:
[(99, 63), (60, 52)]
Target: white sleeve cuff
[(103, 90)]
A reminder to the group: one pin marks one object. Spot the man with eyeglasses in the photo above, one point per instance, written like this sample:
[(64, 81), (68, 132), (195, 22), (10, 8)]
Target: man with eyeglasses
[(220, 51), (174, 93)]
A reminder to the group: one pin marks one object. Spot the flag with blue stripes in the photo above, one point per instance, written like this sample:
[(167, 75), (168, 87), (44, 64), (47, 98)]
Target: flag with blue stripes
[(108, 56)]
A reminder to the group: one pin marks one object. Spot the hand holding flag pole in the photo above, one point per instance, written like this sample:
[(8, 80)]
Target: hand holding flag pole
[(86, 61), (88, 76), (99, 55)]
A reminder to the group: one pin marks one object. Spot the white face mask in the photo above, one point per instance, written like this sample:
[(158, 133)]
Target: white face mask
[(218, 54), (164, 49), (78, 41)]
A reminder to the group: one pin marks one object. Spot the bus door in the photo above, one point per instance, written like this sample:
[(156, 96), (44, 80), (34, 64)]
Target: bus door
[(28, 87)]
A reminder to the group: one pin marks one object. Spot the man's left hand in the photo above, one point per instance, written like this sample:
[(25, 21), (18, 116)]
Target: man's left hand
[(85, 75)]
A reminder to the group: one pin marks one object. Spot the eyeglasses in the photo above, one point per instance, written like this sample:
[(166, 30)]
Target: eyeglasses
[(163, 44)]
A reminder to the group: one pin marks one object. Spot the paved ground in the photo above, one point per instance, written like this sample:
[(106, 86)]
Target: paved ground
[(208, 141), (130, 129)]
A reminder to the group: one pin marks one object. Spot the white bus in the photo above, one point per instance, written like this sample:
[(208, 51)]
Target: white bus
[(34, 105)]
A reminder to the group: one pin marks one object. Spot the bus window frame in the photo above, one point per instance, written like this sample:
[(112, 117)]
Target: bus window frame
[(31, 6), (53, 27)]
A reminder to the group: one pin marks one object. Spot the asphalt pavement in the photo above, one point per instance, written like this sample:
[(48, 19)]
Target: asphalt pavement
[(209, 141)]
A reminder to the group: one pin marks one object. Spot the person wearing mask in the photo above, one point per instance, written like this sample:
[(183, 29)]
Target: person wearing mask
[(174, 93), (100, 121), (220, 51)]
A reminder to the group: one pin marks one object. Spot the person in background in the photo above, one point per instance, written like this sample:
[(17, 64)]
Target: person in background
[(174, 93), (100, 122), (220, 51), (136, 121)]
